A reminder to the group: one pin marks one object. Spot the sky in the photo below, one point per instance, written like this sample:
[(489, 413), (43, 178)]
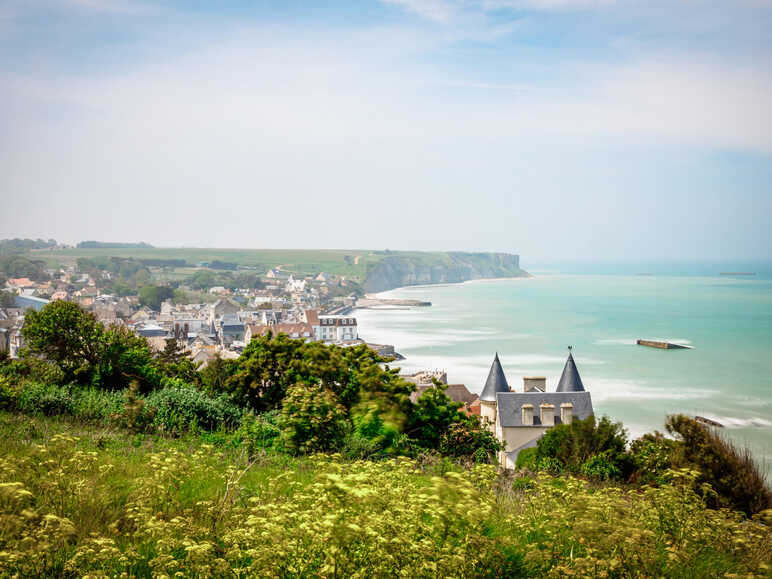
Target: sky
[(614, 129)]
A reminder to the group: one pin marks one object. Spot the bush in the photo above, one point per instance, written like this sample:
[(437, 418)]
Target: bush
[(312, 420), (469, 439), (731, 472), (260, 432), (652, 455), (572, 445), (527, 458), (600, 467), (8, 394), (47, 399), (176, 409), (93, 405)]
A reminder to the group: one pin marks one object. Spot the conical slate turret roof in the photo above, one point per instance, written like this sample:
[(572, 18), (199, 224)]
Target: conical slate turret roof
[(496, 382), (570, 381)]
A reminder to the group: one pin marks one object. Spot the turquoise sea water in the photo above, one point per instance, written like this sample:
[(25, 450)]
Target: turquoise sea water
[(727, 376)]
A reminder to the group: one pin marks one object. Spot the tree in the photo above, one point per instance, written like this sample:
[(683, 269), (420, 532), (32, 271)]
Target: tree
[(731, 472), (433, 414), (173, 361), (312, 420), (216, 373), (153, 295), (125, 357), (86, 352), (7, 299), (66, 335)]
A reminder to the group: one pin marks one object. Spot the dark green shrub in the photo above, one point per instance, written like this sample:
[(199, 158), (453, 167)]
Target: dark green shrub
[(527, 458), (468, 438), (93, 405), (356, 446), (600, 467), (8, 394), (47, 399), (312, 420), (653, 455), (572, 445), (731, 472), (179, 408)]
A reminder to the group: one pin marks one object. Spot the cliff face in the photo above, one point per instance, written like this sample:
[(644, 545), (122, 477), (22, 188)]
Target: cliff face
[(397, 271)]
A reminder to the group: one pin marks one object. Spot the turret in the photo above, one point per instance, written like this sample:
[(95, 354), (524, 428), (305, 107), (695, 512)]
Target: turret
[(495, 383), (570, 381)]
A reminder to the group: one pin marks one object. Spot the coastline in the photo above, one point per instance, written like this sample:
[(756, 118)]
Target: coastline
[(602, 316), (382, 295)]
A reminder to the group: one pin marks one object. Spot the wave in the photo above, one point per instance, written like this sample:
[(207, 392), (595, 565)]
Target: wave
[(735, 422)]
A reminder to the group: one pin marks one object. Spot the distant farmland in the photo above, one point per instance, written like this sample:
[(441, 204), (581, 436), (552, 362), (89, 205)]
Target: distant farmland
[(377, 270)]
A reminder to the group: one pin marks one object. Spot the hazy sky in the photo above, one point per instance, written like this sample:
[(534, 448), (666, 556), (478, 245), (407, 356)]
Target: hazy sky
[(552, 128)]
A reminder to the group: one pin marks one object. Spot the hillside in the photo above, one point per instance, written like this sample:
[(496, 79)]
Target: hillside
[(375, 270), (101, 502)]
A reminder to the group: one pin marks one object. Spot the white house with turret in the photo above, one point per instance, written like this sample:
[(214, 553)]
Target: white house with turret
[(519, 419)]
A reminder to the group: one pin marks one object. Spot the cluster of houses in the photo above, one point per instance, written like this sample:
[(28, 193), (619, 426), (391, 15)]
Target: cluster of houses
[(292, 306), (286, 304)]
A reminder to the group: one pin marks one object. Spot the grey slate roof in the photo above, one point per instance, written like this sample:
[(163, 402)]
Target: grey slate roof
[(495, 383), (510, 404), (570, 381)]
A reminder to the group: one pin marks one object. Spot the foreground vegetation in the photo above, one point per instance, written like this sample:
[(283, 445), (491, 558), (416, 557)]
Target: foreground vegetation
[(308, 460), (80, 501)]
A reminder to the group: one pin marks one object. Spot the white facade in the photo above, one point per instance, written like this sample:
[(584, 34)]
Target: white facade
[(336, 329)]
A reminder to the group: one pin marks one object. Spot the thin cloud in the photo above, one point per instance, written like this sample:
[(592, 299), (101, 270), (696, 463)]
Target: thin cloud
[(434, 10)]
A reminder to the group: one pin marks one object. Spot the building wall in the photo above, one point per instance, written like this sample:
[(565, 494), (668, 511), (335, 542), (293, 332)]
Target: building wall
[(488, 411)]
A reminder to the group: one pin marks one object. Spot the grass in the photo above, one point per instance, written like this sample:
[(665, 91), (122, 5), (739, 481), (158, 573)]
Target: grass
[(81, 500), (352, 263)]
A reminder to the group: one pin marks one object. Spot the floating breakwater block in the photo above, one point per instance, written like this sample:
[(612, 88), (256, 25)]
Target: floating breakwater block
[(662, 345)]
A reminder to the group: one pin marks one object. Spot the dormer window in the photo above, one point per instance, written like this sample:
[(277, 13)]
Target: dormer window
[(527, 410)]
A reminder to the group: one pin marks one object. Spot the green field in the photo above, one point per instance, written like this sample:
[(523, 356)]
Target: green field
[(351, 263)]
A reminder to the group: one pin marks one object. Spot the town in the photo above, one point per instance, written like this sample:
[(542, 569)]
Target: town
[(215, 312)]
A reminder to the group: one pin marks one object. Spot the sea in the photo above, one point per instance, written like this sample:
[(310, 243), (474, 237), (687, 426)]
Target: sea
[(600, 309)]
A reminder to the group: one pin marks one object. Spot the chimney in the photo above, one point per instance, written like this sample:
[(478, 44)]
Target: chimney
[(547, 414), (566, 412), (534, 384), (527, 414)]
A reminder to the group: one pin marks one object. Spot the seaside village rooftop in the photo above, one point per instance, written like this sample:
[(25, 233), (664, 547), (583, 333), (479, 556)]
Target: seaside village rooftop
[(519, 419)]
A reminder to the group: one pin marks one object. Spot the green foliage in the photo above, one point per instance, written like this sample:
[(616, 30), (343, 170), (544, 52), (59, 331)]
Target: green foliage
[(67, 336), (7, 299), (468, 438), (653, 456), (19, 266), (17, 244), (124, 357), (572, 445), (731, 472), (153, 295), (112, 245), (85, 404), (259, 433), (85, 352), (173, 361), (49, 400), (202, 280), (433, 414), (215, 374), (219, 264), (85, 502), (176, 409), (312, 420), (527, 459), (601, 467)]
